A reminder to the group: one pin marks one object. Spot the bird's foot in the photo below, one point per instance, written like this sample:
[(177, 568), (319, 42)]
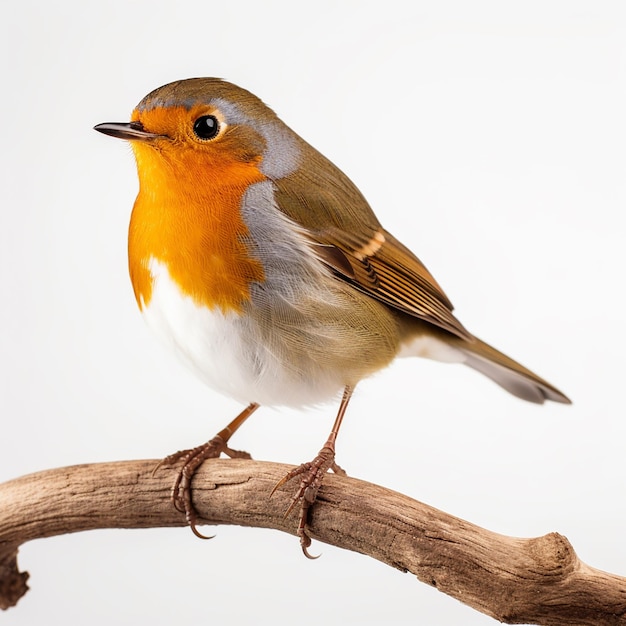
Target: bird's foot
[(190, 461), (312, 474)]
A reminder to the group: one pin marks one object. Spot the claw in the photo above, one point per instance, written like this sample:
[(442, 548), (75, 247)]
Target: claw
[(197, 533), (312, 474), (289, 476), (292, 504), (305, 539), (176, 502), (278, 485), (191, 460), (157, 467), (169, 460), (306, 552)]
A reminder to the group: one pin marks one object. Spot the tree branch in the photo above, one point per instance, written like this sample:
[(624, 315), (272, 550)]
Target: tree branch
[(538, 581)]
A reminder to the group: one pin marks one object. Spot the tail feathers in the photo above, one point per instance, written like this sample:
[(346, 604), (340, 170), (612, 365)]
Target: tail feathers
[(507, 373)]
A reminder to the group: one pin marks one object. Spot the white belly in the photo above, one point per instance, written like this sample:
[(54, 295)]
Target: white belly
[(227, 353)]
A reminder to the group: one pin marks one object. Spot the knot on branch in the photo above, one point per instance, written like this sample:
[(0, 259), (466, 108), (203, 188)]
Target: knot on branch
[(554, 555)]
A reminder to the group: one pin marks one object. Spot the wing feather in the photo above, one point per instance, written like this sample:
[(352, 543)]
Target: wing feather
[(346, 235)]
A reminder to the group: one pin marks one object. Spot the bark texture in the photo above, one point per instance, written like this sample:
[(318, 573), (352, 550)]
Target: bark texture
[(516, 581)]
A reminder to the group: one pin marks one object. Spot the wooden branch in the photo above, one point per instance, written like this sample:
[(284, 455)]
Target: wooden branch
[(538, 581)]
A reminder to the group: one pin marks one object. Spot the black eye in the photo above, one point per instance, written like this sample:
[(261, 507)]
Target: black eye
[(206, 127)]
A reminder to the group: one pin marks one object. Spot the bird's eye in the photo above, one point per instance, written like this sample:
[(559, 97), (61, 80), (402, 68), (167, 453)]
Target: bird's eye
[(206, 127)]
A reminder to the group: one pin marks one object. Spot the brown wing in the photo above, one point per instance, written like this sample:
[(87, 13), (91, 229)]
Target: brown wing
[(346, 236), (349, 238), (386, 270)]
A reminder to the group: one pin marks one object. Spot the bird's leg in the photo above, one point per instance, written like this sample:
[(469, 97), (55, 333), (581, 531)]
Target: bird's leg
[(312, 475), (192, 459)]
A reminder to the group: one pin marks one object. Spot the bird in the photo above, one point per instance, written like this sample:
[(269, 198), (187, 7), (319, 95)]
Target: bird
[(264, 268)]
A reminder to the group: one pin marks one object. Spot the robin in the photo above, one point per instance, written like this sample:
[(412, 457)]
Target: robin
[(265, 269)]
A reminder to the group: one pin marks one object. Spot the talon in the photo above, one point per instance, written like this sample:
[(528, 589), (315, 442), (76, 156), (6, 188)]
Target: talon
[(171, 459), (157, 467), (181, 490), (278, 485), (305, 539), (312, 474), (292, 505), (306, 552), (191, 461), (198, 534), (177, 505), (291, 475)]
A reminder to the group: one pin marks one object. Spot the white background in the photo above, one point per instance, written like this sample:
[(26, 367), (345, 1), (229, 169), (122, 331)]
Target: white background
[(488, 136)]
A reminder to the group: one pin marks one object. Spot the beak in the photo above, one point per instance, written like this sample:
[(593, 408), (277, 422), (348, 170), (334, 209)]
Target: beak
[(132, 131)]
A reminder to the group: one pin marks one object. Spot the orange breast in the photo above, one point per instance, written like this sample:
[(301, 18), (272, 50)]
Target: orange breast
[(187, 216)]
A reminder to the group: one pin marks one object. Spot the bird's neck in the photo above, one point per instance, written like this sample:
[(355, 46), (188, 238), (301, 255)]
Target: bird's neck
[(191, 224)]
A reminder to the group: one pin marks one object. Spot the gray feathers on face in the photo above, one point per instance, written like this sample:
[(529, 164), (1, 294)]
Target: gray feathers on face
[(282, 153)]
